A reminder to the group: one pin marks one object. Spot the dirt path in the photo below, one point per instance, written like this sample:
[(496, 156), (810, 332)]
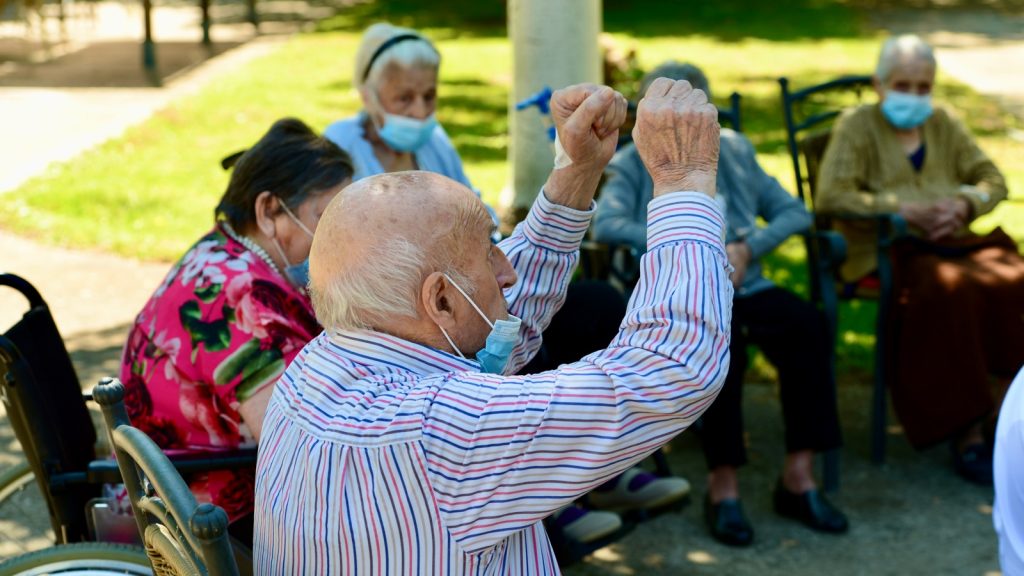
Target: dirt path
[(96, 87)]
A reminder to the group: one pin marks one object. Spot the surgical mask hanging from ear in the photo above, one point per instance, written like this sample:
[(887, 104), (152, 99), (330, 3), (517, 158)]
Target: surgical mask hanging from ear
[(906, 111), (298, 274), (403, 133), (497, 350)]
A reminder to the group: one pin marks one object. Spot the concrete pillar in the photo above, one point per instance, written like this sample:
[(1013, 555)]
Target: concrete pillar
[(554, 43)]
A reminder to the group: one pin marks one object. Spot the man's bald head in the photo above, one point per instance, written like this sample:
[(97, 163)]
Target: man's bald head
[(380, 237)]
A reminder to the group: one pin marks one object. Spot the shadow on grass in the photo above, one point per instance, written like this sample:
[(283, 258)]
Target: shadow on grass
[(723, 19), (1004, 6), (464, 18), (784, 20), (471, 120)]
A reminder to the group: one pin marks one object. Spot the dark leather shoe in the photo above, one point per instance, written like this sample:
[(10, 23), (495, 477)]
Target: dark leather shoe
[(974, 464), (727, 522), (811, 508)]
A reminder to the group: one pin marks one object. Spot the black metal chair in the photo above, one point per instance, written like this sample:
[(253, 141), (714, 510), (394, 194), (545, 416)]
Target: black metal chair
[(809, 113), (181, 536), (43, 399)]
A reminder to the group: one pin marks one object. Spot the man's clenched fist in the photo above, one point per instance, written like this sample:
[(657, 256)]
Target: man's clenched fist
[(677, 136), (587, 118)]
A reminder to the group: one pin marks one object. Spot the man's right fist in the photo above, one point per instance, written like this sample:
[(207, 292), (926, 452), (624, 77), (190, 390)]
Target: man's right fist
[(677, 136)]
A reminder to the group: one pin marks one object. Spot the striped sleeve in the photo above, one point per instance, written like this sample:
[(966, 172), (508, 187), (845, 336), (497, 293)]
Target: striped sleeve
[(543, 250), (504, 452)]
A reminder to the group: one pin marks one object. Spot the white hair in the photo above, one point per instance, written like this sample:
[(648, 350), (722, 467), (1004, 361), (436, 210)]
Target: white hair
[(380, 285), (898, 48), (406, 54)]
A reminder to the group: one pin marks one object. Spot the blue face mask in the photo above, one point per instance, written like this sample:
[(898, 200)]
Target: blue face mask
[(406, 134), (504, 336), (298, 274), (906, 111)]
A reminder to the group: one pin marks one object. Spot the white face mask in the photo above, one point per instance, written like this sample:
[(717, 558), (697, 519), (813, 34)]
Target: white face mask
[(501, 341)]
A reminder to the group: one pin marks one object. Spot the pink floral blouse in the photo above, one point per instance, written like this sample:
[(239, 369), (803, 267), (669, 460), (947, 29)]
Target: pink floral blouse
[(221, 327)]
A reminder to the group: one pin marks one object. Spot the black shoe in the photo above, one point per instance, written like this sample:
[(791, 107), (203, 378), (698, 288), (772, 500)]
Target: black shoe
[(974, 464), (727, 522), (811, 508)]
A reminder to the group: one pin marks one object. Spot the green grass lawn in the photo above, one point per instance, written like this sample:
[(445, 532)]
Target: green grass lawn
[(150, 193)]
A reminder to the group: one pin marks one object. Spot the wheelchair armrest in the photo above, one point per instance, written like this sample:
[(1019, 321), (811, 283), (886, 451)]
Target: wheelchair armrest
[(210, 461), (106, 471), (103, 472)]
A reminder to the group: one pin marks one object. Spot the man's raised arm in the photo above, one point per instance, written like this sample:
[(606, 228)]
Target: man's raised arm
[(545, 247), (532, 444)]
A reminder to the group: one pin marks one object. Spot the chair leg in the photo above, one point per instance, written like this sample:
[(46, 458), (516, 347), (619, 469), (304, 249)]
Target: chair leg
[(878, 418), (661, 467), (878, 402), (830, 470)]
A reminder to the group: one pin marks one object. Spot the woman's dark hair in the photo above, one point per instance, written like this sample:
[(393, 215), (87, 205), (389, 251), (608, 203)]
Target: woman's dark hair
[(291, 161)]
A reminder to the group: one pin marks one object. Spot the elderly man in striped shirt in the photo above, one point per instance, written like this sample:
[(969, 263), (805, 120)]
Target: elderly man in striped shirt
[(398, 442)]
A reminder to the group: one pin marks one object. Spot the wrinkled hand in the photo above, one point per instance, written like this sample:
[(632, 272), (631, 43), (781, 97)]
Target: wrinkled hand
[(739, 256), (951, 214), (918, 214), (676, 134), (587, 118), (938, 220)]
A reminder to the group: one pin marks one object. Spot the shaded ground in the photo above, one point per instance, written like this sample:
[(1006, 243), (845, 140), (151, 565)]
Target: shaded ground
[(112, 64), (910, 516)]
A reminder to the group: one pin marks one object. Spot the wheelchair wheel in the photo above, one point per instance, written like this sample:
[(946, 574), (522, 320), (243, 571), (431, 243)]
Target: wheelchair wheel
[(92, 558), (14, 478)]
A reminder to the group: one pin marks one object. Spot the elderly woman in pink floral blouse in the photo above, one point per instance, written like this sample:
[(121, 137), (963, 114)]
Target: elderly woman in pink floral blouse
[(203, 355)]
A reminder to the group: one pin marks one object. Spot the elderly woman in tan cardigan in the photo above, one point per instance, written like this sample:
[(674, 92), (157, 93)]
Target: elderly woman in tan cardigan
[(958, 313)]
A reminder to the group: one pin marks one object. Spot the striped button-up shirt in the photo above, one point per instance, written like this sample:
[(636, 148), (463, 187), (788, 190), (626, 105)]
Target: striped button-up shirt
[(384, 456)]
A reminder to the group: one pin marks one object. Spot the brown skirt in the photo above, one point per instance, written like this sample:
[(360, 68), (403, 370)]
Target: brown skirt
[(957, 319)]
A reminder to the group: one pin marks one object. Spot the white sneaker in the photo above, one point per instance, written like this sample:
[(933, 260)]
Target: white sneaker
[(583, 525), (636, 489)]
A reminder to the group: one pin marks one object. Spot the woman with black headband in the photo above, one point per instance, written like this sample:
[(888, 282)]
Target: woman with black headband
[(396, 75)]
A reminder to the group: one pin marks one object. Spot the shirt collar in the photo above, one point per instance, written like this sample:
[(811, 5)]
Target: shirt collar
[(370, 349)]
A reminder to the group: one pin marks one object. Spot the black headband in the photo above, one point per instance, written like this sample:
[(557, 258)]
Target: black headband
[(388, 44)]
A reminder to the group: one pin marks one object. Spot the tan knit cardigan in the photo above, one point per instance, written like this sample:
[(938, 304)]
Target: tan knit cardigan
[(866, 171)]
